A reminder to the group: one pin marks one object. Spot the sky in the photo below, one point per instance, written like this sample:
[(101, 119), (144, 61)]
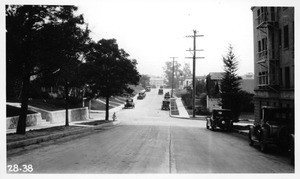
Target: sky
[(153, 31)]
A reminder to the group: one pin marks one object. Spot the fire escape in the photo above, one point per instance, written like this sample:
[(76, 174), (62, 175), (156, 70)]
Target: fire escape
[(267, 55)]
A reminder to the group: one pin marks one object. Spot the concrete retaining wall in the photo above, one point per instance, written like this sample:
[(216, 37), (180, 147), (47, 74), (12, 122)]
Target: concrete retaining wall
[(31, 120), (79, 114)]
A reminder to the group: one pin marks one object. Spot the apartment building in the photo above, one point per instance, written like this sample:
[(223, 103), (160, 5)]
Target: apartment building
[(274, 78)]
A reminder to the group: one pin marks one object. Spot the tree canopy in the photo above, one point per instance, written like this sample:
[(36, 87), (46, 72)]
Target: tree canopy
[(40, 40), (179, 73), (109, 71)]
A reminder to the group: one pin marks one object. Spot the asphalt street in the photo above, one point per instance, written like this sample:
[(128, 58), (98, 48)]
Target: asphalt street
[(148, 140)]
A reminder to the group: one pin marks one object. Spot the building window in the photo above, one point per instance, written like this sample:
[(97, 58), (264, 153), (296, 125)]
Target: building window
[(258, 12), (279, 38), (264, 44), (287, 77), (286, 36), (259, 46), (280, 76)]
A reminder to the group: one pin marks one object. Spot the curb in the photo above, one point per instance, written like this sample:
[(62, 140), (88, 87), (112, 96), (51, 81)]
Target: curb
[(37, 140)]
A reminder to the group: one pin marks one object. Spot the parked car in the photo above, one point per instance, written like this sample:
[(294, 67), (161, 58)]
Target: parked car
[(221, 118), (129, 103), (167, 95), (160, 91), (142, 94), (165, 105), (148, 88), (275, 128)]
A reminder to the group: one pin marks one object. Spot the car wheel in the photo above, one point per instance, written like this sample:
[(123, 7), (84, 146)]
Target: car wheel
[(263, 146), (251, 142)]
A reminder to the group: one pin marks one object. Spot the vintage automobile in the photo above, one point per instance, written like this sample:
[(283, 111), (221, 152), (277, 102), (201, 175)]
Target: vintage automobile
[(167, 95), (148, 88), (160, 91), (142, 94), (165, 105), (274, 128), (221, 118), (129, 103)]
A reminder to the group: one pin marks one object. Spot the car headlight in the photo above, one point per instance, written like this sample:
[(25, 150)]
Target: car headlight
[(223, 122)]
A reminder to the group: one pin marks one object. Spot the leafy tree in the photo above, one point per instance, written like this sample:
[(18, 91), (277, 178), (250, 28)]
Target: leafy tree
[(200, 87), (230, 84), (186, 71), (145, 81), (109, 71), (40, 40), (168, 70)]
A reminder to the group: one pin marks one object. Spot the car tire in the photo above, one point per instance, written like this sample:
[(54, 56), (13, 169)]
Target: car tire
[(263, 146), (250, 141)]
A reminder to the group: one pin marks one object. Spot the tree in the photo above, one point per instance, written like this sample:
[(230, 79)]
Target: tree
[(109, 71), (38, 41), (168, 70), (145, 80), (186, 71), (230, 84)]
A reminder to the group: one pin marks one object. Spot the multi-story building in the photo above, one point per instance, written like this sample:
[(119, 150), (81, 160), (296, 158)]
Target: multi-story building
[(273, 29)]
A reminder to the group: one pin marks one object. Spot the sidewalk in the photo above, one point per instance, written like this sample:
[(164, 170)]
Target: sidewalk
[(181, 109)]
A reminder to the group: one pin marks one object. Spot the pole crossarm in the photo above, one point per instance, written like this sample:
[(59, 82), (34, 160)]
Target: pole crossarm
[(196, 57), (190, 50)]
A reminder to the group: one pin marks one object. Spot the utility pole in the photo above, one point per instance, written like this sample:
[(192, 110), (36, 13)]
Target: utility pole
[(172, 78), (194, 68)]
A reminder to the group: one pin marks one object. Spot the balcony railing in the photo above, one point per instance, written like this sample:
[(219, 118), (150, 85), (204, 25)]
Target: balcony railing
[(265, 18), (262, 56)]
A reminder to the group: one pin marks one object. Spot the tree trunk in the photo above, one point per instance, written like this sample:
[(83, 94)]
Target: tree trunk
[(67, 103), (107, 108), (21, 126)]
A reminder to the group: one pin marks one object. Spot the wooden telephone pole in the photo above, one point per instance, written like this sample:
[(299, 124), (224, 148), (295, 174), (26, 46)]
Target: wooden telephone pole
[(194, 67), (172, 78)]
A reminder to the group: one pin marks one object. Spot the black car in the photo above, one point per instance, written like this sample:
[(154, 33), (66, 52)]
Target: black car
[(142, 94), (165, 105), (276, 127), (167, 95), (129, 103), (160, 91), (221, 118)]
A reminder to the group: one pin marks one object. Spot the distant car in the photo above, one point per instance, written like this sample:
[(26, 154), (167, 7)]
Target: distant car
[(142, 94), (167, 95), (148, 88), (160, 91), (221, 118), (275, 128), (129, 103), (165, 105)]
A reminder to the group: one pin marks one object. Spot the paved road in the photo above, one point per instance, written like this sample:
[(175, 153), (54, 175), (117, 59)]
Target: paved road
[(149, 141)]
